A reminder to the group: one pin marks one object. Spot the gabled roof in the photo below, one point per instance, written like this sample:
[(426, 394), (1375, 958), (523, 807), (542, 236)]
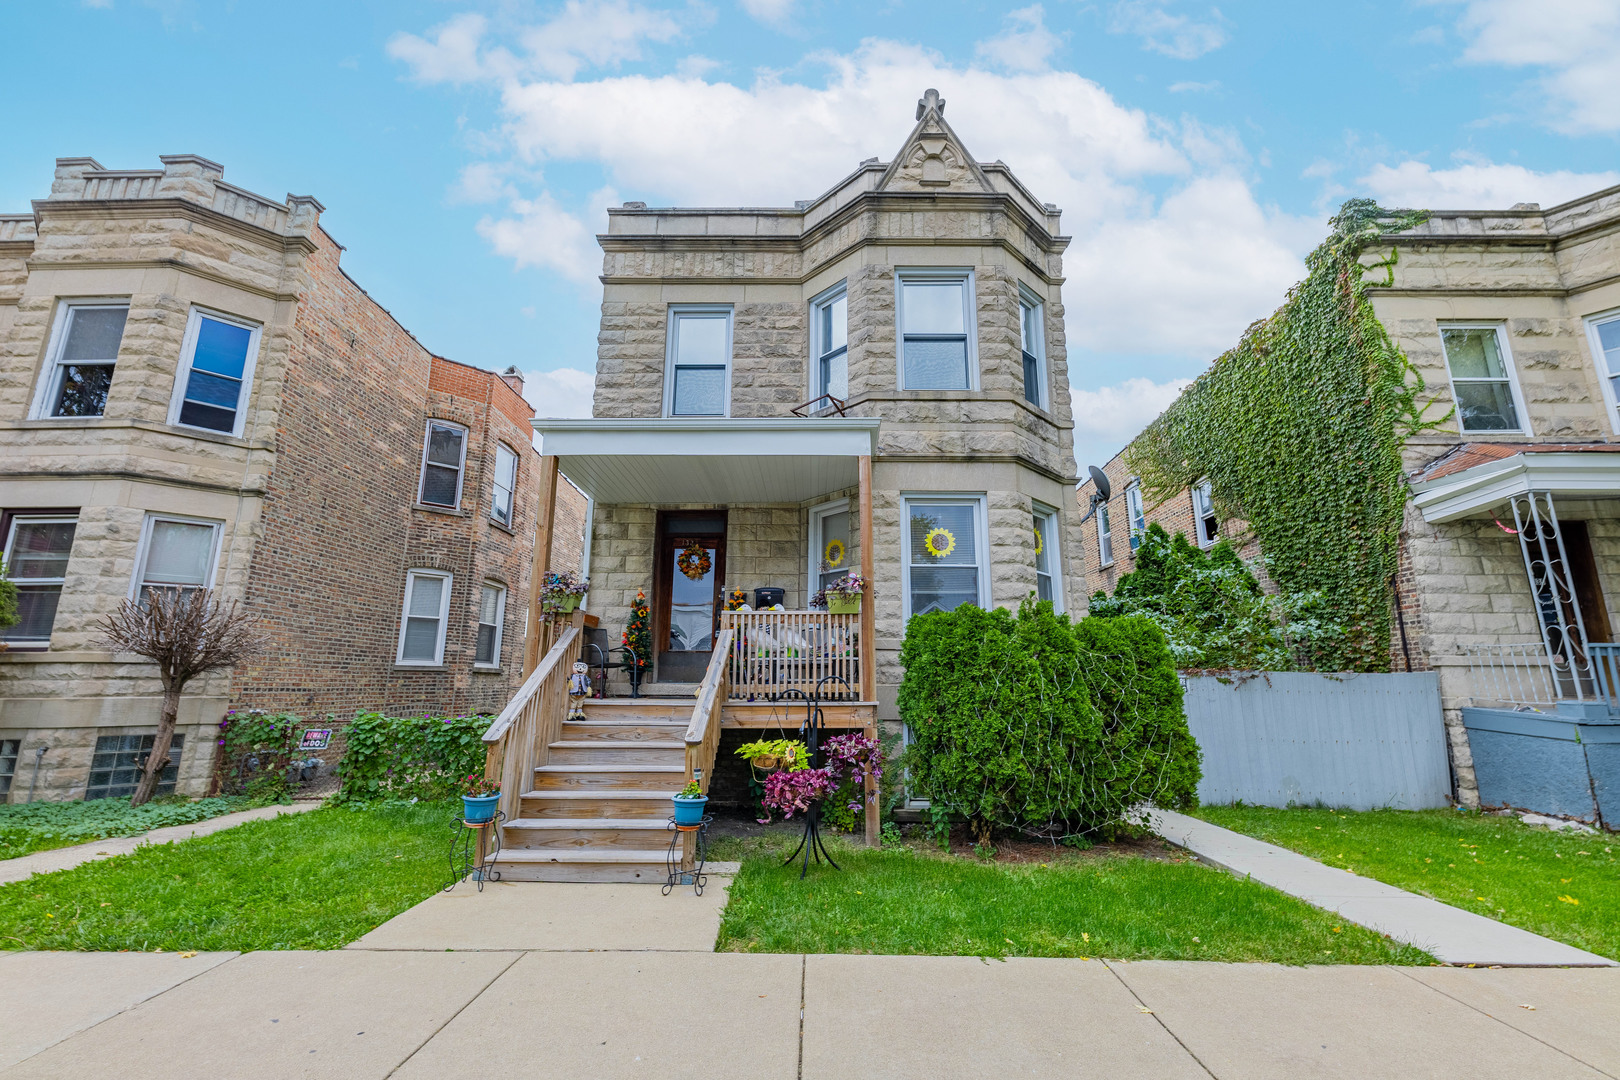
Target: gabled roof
[(933, 157)]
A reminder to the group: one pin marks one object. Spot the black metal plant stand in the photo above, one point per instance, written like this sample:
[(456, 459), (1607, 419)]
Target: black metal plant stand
[(811, 843), (464, 861), (676, 855)]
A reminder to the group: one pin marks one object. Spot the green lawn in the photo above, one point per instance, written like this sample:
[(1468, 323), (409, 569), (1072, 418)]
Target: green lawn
[(1560, 885), (914, 900), (29, 827), (301, 881)]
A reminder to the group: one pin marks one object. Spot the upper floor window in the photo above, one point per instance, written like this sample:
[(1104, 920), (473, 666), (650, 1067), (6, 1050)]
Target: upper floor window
[(36, 559), (1133, 510), (1604, 330), (1105, 537), (82, 354), (936, 323), (1032, 344), (176, 553), (1046, 557), (698, 367), (444, 458), (216, 369), (500, 506), (491, 616), (422, 624), (1208, 525), (1482, 381), (830, 343)]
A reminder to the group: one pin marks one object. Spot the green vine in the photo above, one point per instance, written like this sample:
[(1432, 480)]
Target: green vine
[(1299, 432)]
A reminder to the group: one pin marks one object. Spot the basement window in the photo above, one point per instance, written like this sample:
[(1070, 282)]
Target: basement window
[(8, 762), (115, 768)]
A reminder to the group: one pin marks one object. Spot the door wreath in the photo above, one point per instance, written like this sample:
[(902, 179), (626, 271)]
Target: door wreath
[(694, 561)]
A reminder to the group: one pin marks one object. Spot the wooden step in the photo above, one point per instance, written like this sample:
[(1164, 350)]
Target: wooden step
[(597, 752), (597, 804), (586, 833), (622, 731), (562, 864), (629, 777), (641, 710)]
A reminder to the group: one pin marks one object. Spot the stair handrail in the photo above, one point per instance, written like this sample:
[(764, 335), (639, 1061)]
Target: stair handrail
[(553, 657), (703, 733), (523, 732)]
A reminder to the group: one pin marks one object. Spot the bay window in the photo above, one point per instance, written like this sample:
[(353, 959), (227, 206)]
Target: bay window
[(936, 329), (216, 370), (81, 357), (944, 566), (444, 458), (36, 560), (176, 553)]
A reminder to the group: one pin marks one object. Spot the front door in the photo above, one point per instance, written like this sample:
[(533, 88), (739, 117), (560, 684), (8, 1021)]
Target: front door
[(687, 597)]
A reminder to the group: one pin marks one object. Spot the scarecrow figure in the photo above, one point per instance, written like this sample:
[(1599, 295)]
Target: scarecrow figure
[(579, 688)]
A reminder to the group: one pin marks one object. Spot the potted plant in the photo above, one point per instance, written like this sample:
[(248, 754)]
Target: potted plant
[(844, 595), (769, 754), (561, 592), (479, 796), (689, 805)]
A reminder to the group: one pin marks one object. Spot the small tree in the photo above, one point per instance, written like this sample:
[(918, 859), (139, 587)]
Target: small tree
[(187, 633)]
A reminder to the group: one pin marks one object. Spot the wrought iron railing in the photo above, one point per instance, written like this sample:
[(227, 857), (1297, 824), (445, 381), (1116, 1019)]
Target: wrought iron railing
[(1511, 673)]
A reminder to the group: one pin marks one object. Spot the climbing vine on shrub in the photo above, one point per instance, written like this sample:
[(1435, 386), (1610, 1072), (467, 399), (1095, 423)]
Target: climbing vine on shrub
[(1299, 430), (404, 757)]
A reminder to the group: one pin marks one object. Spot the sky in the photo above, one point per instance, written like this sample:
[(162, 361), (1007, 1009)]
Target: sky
[(466, 151)]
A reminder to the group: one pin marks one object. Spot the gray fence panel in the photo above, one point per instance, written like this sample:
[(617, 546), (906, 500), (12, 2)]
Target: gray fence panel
[(1359, 742)]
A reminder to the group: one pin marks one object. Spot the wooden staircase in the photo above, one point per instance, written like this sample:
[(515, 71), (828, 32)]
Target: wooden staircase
[(597, 809)]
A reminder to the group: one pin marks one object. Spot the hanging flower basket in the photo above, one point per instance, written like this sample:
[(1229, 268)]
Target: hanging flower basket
[(694, 562), (844, 595)]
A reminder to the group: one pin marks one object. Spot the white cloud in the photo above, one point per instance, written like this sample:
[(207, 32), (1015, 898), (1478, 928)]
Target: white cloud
[(1107, 418), (769, 11), (563, 392), (1024, 45), (1576, 43), (695, 66), (452, 56), (1478, 185), (1179, 36), (1194, 87), (481, 182), (540, 232)]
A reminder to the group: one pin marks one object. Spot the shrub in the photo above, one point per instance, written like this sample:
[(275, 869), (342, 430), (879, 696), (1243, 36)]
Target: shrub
[(1032, 723), (409, 757), (258, 751)]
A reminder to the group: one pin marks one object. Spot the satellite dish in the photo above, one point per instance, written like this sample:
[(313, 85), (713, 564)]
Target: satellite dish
[(1100, 481)]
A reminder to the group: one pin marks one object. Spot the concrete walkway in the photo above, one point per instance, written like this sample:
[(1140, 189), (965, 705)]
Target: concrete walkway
[(1451, 935), (66, 858)]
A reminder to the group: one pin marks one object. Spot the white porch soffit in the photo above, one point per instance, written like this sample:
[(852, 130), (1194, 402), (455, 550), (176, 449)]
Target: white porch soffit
[(1470, 491), (765, 460)]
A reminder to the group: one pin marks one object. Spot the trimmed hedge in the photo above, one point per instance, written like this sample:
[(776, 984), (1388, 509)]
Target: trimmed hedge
[(409, 757), (1033, 723)]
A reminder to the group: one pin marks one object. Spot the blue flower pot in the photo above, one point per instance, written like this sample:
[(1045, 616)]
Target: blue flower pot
[(479, 808), (689, 811)]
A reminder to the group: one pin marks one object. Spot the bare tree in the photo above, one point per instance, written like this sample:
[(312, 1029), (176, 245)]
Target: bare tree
[(186, 632)]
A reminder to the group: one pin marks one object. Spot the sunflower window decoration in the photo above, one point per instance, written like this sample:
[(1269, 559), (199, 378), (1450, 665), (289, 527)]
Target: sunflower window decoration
[(1040, 541), (940, 542), (832, 557), (694, 561)]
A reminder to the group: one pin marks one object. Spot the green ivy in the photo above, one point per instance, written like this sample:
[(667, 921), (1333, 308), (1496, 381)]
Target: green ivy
[(1299, 432), (406, 757), (258, 748)]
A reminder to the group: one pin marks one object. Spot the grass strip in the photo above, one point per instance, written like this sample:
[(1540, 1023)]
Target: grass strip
[(40, 826), (316, 880), (913, 900), (1561, 885)]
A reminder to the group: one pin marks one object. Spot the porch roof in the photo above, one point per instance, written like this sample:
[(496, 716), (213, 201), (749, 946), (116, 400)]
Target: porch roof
[(1475, 477), (712, 459)]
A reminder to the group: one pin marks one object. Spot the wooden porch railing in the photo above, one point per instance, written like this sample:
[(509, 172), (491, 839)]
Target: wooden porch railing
[(520, 739), (703, 733), (774, 651)]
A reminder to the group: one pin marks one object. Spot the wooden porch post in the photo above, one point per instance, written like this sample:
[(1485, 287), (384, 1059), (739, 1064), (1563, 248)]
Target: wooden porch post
[(868, 632), (543, 523)]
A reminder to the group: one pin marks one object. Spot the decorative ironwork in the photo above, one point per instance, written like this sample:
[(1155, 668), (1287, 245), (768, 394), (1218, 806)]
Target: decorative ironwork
[(464, 848), (811, 843), (834, 405), (1552, 590), (675, 857)]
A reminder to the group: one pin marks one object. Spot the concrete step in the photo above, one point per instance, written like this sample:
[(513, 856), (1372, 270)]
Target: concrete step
[(561, 864), (632, 730), (598, 804), (630, 777), (587, 833), (598, 752)]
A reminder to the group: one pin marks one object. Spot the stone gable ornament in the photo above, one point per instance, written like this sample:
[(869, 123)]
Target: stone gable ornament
[(930, 102)]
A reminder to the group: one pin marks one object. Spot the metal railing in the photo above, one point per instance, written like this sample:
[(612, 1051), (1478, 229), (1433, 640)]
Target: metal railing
[(776, 651), (1511, 673)]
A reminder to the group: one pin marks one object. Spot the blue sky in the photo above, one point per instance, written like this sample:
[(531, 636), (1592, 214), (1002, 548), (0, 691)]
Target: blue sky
[(465, 151)]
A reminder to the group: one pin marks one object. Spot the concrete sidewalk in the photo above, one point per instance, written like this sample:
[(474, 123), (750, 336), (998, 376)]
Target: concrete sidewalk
[(1449, 934), (66, 858)]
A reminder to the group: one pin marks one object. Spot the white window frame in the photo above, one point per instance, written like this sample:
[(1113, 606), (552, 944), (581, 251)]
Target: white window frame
[(405, 614), (461, 468), (819, 303), (1600, 362), (1136, 518), (1512, 379), (1105, 537), (1051, 526), (50, 379), (182, 373), (672, 340), (144, 549), (500, 625), (1029, 300), (1203, 497), (819, 514), (981, 530), (35, 644), (496, 487), (970, 322)]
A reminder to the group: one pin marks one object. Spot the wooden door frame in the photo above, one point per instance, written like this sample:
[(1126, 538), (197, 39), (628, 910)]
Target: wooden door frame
[(664, 571)]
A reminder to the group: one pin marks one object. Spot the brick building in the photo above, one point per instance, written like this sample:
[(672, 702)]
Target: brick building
[(194, 393)]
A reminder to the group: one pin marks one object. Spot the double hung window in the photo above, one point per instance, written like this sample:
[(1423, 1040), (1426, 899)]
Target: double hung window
[(697, 379), (444, 457), (176, 553), (1105, 537), (1032, 345), (1047, 585), (936, 323), (1482, 382), (500, 505), (830, 336), (944, 566), (1133, 510), (83, 352), (36, 560), (1204, 518), (491, 616), (421, 627), (1604, 331), (216, 369)]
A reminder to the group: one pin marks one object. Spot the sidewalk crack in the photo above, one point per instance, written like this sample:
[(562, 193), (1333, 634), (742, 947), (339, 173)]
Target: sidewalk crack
[(447, 1020), (1129, 989), (804, 964)]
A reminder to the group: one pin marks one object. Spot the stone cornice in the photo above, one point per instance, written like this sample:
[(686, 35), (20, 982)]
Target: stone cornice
[(149, 208), (63, 475), (979, 459), (1447, 292), (960, 395), (160, 264)]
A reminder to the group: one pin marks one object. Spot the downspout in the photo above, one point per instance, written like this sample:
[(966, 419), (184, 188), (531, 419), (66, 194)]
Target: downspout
[(39, 752), (1400, 619)]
